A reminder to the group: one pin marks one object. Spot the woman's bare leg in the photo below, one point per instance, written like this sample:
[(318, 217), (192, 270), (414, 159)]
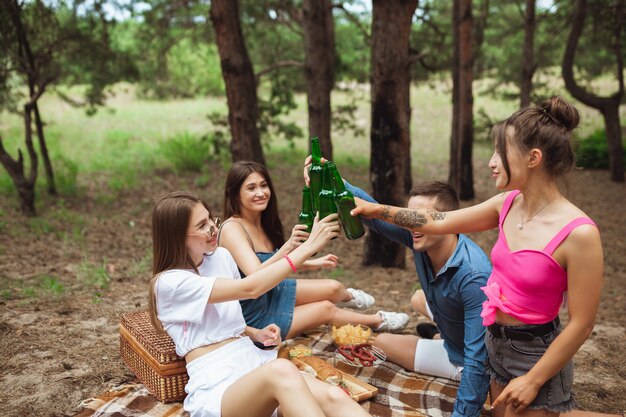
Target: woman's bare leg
[(312, 290), (312, 315), (258, 393), (333, 400)]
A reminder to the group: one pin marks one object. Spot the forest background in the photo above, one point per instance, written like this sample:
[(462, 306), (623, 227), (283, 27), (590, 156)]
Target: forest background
[(106, 105)]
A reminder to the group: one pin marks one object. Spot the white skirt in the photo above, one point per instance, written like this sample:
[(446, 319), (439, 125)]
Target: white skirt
[(211, 374)]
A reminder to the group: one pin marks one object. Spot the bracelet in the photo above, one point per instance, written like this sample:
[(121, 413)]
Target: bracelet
[(290, 262)]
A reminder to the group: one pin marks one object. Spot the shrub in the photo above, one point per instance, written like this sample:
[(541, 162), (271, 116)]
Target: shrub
[(593, 151), (185, 151)]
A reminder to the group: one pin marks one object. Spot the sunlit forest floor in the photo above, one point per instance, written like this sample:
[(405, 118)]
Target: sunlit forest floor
[(68, 274)]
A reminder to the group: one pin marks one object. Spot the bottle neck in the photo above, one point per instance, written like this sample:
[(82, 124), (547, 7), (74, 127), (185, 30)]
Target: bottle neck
[(306, 200), (316, 151), (327, 182), (338, 184)]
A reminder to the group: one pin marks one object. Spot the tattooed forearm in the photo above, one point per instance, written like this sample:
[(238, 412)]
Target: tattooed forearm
[(409, 218), (436, 215), (385, 214)]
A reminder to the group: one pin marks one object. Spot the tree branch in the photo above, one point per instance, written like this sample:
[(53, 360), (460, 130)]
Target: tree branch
[(567, 66), (352, 18), (277, 65)]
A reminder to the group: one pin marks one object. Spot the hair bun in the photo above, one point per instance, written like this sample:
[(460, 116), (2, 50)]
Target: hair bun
[(561, 112)]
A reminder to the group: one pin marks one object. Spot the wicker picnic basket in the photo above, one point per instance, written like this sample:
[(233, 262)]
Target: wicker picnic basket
[(152, 357)]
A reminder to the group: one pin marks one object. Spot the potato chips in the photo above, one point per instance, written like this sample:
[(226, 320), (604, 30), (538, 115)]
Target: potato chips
[(351, 334)]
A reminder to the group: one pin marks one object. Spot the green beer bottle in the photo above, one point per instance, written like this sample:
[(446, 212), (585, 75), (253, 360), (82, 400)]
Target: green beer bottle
[(306, 216), (315, 173), (326, 197), (344, 200)]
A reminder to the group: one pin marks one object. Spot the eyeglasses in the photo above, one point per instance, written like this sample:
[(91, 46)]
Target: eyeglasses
[(210, 229)]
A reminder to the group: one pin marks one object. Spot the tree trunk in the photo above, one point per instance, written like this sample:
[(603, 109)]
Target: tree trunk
[(25, 186), (461, 171), (52, 189), (608, 106), (239, 80), (390, 135), (319, 46), (528, 64), (614, 139), (408, 177)]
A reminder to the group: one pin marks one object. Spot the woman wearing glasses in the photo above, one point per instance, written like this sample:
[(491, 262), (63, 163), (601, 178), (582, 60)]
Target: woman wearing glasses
[(194, 298), (253, 234)]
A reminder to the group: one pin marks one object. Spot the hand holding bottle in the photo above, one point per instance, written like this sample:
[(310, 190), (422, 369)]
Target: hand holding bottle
[(322, 232), (298, 235), (307, 164), (364, 208)]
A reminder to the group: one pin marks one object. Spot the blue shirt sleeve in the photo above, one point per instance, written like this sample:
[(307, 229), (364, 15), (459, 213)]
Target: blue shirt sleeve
[(388, 230), (474, 384)]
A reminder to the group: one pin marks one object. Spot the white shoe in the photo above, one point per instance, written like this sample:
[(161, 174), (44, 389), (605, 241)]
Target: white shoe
[(392, 322), (360, 300)]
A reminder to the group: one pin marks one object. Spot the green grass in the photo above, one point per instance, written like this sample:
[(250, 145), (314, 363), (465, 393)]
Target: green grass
[(132, 137), (41, 286)]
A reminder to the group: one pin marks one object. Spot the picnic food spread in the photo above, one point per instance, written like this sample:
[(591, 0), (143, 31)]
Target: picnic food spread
[(321, 369), (299, 351), (361, 352), (318, 368), (350, 334)]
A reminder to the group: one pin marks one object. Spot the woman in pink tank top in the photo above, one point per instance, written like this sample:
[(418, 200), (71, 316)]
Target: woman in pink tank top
[(546, 246)]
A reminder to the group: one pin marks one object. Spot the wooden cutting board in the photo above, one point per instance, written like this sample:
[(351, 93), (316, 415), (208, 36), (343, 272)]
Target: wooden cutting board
[(360, 390)]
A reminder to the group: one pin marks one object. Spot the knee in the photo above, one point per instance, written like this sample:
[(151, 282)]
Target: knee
[(335, 396), (382, 340), (335, 288), (418, 301), (327, 310), (283, 373)]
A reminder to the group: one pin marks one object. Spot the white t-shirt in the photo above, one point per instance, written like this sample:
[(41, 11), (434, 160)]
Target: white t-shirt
[(182, 299)]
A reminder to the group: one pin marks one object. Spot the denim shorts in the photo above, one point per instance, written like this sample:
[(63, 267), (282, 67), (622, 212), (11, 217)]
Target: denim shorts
[(509, 359), (275, 306)]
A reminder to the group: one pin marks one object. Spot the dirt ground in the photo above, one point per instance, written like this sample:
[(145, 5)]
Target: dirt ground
[(61, 347)]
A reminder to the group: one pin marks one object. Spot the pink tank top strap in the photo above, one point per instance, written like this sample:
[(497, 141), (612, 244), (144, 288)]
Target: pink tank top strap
[(565, 231), (506, 206)]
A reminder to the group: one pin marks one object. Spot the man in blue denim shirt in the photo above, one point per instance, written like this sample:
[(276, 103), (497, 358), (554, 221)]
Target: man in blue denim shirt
[(451, 270)]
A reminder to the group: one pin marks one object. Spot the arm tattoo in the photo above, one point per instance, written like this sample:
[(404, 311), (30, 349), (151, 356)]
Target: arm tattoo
[(436, 215), (409, 218), (385, 214)]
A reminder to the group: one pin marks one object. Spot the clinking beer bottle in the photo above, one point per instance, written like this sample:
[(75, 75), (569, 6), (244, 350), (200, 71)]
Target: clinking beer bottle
[(344, 200), (315, 173), (307, 215), (326, 197)]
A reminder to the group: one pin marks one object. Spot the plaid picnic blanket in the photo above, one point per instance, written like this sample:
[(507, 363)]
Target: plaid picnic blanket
[(400, 393)]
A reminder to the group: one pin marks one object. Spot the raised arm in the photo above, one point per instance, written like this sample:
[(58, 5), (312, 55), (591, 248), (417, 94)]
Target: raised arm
[(261, 281), (388, 230), (476, 218)]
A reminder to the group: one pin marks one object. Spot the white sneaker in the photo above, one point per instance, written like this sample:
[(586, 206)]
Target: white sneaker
[(392, 322), (360, 300)]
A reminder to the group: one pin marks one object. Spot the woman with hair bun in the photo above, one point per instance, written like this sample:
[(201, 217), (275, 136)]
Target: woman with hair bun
[(546, 246)]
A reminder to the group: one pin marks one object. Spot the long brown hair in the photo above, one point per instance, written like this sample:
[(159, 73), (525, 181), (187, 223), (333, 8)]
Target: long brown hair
[(170, 219), (270, 221), (547, 127)]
